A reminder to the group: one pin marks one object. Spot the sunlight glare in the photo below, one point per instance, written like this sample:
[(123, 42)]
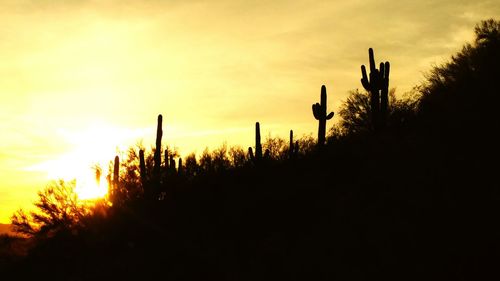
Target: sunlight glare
[(93, 147), (88, 188)]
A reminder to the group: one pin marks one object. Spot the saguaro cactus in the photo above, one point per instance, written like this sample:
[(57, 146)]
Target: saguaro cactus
[(293, 149), (179, 167), (113, 188), (116, 173), (377, 84), (157, 157), (142, 167), (319, 112), (172, 164), (166, 158), (258, 147)]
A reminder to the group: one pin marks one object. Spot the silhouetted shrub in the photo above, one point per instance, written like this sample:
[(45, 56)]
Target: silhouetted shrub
[(57, 208), (355, 116), (461, 91)]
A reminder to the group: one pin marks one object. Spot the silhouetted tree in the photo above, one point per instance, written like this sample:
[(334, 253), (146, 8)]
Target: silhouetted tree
[(220, 159), (462, 91), (206, 162), (191, 168), (277, 147), (237, 156), (57, 209), (307, 144), (355, 112)]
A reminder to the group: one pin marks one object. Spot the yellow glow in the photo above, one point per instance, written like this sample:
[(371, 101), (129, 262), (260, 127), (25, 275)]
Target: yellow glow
[(93, 147), (88, 188)]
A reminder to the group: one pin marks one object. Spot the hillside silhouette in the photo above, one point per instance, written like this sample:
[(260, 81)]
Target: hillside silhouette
[(401, 189)]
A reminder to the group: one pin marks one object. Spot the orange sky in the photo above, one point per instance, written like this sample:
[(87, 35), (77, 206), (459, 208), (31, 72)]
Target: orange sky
[(81, 80)]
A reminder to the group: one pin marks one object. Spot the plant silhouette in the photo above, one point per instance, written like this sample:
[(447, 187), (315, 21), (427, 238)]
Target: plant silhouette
[(258, 158), (377, 84), (57, 209), (319, 112)]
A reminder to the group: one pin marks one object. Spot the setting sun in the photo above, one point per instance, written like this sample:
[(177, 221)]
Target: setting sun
[(88, 187)]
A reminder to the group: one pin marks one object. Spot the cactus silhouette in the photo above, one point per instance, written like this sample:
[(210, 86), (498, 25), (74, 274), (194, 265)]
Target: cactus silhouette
[(179, 167), (142, 167), (258, 147), (377, 84), (172, 164), (319, 112), (157, 156), (166, 159), (116, 173), (293, 149)]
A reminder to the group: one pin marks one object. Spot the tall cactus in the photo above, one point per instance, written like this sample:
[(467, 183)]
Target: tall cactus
[(172, 164), (258, 147), (319, 112), (179, 167), (377, 84), (166, 158), (116, 173), (293, 149), (157, 156), (112, 182), (142, 167)]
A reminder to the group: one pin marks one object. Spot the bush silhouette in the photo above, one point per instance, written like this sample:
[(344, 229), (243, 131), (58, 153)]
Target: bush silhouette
[(58, 209), (461, 92), (356, 117)]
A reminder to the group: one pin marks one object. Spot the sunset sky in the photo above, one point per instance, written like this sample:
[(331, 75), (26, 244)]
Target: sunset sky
[(83, 80)]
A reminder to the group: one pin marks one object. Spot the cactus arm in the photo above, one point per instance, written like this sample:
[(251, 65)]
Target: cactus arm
[(330, 116), (371, 58), (386, 73), (316, 111), (364, 79)]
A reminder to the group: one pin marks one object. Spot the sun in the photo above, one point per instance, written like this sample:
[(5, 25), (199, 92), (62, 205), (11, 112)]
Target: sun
[(90, 187), (88, 148)]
